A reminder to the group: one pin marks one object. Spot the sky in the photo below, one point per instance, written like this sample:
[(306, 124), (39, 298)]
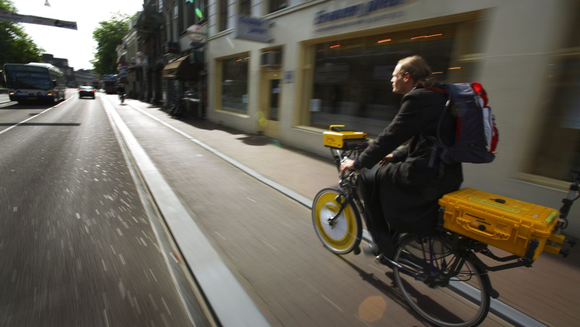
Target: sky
[(76, 46)]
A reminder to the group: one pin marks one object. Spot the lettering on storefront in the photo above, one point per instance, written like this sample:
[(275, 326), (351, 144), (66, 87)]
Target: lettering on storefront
[(362, 13), (252, 29)]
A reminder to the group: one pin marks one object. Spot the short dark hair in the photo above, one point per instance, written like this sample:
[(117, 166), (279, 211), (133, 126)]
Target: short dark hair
[(418, 68)]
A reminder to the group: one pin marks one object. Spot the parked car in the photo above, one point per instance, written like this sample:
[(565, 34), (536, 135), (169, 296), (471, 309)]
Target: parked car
[(86, 91)]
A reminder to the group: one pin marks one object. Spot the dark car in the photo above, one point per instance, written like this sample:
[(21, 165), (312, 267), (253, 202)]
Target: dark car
[(86, 91)]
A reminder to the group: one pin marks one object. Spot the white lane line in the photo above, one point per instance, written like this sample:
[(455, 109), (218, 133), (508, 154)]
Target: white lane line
[(137, 305), (24, 121), (153, 302), (273, 248), (122, 289), (166, 306), (334, 304), (152, 274), (106, 318)]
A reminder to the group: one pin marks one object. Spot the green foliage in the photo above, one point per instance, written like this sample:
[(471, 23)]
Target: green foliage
[(16, 46), (108, 35)]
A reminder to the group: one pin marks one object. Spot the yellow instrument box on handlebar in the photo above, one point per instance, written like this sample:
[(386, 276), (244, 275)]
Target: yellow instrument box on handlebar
[(502, 222), (336, 138)]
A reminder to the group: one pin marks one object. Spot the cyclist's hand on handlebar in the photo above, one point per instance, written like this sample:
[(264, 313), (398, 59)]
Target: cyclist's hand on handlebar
[(347, 164), (388, 158)]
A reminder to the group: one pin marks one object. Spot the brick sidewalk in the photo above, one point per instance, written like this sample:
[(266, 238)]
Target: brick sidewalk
[(547, 292)]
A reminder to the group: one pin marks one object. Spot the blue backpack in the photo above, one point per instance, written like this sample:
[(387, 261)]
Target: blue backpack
[(476, 135)]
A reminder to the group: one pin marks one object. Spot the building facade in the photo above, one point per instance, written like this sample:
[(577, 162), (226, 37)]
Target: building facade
[(290, 68), (86, 77), (62, 64)]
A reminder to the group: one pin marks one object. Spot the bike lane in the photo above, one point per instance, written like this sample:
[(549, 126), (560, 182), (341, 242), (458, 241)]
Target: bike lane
[(269, 242)]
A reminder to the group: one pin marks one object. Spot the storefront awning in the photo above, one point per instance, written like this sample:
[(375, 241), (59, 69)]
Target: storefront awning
[(170, 70), (182, 69)]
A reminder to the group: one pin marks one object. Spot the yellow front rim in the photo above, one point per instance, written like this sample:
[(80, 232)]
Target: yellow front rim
[(342, 235)]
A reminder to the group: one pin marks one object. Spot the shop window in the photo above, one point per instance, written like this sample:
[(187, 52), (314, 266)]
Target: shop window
[(223, 18), (234, 84), (276, 5), (351, 78), (557, 149)]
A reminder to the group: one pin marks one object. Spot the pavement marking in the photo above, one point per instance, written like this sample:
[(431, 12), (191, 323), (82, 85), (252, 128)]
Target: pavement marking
[(166, 306), (130, 299), (329, 301), (273, 248), (42, 112), (153, 302), (220, 235), (106, 318), (122, 259), (252, 200), (165, 322), (152, 274), (137, 305)]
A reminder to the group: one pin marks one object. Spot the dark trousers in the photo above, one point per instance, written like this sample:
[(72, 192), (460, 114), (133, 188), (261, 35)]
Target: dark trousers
[(378, 227)]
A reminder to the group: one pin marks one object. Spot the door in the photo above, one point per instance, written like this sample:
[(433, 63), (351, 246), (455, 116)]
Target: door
[(270, 103)]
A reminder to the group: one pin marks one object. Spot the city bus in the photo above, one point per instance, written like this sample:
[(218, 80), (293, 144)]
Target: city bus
[(34, 82)]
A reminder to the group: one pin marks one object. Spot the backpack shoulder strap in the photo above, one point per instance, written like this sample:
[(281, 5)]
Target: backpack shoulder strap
[(436, 89)]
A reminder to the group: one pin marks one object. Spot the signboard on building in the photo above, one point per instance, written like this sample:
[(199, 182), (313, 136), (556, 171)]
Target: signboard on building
[(196, 33), (16, 18), (365, 12), (252, 29)]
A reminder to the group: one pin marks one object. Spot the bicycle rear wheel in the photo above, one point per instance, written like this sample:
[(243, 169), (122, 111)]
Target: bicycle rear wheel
[(344, 234), (442, 287)]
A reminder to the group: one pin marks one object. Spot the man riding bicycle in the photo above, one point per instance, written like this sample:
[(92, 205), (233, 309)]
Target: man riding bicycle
[(402, 191), (121, 92)]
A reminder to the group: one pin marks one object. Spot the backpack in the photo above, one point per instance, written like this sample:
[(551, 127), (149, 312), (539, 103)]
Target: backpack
[(476, 135)]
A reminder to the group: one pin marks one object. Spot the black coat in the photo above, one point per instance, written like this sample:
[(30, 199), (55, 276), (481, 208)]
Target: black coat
[(412, 184)]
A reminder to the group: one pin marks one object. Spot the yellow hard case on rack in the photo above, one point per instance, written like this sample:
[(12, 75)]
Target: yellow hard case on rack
[(502, 222), (335, 138)]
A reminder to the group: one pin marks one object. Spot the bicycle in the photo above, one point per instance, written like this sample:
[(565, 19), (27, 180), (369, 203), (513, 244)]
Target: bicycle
[(441, 276)]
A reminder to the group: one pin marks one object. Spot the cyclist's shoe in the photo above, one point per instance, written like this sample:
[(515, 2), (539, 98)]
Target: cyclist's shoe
[(371, 250)]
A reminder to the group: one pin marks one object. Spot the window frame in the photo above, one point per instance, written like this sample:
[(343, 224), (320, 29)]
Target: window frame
[(219, 84)]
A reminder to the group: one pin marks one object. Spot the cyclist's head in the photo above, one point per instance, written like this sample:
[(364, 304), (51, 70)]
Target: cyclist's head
[(417, 68)]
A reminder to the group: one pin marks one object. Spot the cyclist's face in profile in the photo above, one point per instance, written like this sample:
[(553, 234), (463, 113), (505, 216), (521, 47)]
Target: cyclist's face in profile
[(399, 81)]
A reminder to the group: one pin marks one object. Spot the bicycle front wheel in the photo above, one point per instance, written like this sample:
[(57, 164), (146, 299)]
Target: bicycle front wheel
[(444, 288), (342, 235)]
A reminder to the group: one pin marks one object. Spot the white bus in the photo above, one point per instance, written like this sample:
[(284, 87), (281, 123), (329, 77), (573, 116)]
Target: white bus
[(34, 82)]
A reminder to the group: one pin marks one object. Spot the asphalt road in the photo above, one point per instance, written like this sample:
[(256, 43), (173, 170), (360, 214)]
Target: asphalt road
[(77, 245)]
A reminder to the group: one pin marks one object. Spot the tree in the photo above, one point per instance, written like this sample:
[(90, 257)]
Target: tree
[(16, 46), (108, 35)]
